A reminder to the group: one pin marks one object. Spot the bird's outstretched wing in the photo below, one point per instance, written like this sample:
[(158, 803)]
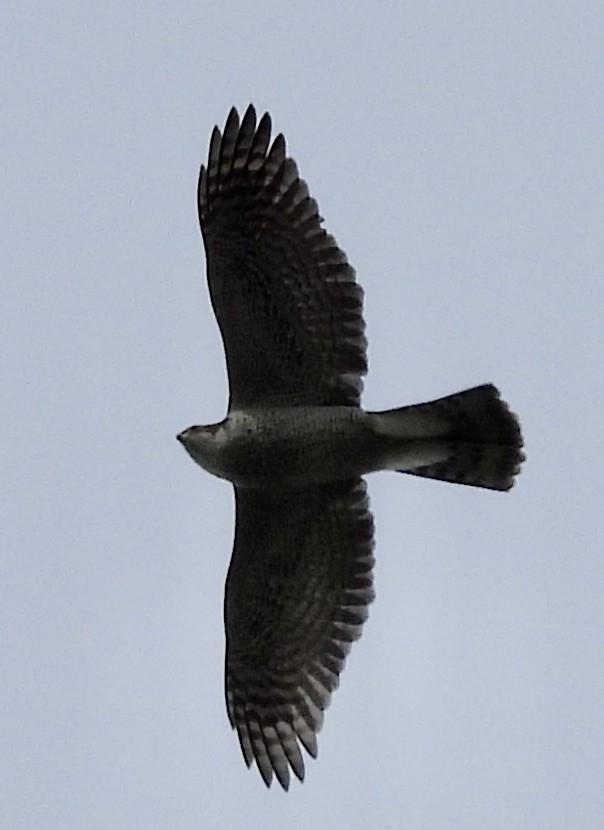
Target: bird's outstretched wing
[(297, 592), (285, 297)]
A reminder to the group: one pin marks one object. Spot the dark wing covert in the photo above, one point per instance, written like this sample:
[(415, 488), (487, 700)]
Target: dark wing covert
[(297, 592), (286, 300)]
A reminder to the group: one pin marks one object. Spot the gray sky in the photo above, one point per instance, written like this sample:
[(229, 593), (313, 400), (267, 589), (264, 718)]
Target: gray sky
[(455, 150)]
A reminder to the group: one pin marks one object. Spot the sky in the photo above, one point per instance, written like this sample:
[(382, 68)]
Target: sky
[(455, 150)]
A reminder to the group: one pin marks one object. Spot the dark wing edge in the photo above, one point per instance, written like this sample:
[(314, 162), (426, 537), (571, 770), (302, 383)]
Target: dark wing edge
[(297, 593), (279, 283)]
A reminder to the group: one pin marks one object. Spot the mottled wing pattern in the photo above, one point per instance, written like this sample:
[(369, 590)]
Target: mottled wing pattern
[(297, 592), (286, 300)]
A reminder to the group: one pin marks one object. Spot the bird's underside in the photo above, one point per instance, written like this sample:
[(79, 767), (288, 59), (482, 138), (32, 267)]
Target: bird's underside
[(296, 443)]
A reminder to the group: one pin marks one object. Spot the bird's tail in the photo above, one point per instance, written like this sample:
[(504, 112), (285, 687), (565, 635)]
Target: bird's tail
[(467, 438)]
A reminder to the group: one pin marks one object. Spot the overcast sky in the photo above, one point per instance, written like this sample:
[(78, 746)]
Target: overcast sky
[(455, 150)]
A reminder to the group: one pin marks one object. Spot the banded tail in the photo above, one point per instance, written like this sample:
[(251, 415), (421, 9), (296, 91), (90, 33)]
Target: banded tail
[(467, 438)]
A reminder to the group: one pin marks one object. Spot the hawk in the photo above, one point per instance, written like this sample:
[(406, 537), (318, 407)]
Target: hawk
[(296, 443)]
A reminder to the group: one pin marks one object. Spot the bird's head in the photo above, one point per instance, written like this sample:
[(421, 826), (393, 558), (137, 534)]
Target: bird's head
[(204, 445)]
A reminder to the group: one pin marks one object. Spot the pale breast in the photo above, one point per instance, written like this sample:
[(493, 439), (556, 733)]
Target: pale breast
[(295, 447)]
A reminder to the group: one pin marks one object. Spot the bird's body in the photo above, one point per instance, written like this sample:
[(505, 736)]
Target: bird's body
[(295, 443), (287, 448)]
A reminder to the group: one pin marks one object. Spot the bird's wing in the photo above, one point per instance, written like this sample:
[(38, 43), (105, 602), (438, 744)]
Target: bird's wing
[(297, 592), (286, 299)]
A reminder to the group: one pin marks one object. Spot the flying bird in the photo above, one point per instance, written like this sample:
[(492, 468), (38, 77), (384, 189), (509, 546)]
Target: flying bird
[(296, 443)]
